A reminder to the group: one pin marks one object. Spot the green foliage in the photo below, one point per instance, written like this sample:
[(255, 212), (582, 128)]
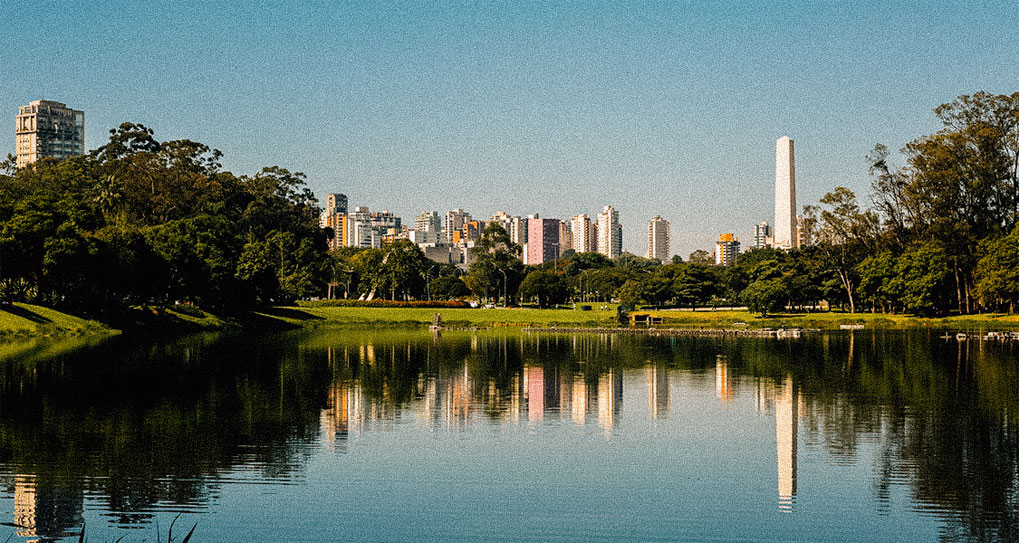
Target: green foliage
[(140, 221), (920, 275), (497, 266), (700, 256), (997, 272), (766, 296), (544, 287), (448, 287)]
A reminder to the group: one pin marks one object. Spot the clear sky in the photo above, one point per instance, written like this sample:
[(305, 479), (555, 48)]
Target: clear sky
[(666, 108)]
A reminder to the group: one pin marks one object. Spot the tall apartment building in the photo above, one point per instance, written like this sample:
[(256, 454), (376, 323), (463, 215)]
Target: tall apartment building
[(726, 250), (454, 222), (428, 221), (658, 239), (359, 229), (762, 235), (47, 129), (542, 240), (584, 238), (565, 237), (336, 203), (804, 232), (335, 216), (518, 230), (610, 233), (785, 194)]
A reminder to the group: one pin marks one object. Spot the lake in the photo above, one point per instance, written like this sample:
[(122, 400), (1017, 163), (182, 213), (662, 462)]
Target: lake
[(405, 435)]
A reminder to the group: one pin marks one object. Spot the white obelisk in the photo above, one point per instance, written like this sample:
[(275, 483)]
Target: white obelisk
[(785, 194)]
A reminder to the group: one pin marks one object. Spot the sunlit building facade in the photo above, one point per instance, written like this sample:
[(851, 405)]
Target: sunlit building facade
[(48, 129)]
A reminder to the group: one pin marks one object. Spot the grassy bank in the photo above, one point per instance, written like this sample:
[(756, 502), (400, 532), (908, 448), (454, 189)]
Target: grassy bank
[(830, 320), (26, 320), (366, 316), (386, 316)]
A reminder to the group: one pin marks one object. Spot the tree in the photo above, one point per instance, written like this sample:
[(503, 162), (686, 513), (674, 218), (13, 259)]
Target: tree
[(545, 287), (496, 265), (695, 284), (877, 274), (844, 237), (766, 296), (700, 256), (920, 275), (448, 287), (997, 272)]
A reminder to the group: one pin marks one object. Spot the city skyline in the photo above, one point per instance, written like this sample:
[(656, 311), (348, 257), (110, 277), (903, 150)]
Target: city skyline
[(652, 108)]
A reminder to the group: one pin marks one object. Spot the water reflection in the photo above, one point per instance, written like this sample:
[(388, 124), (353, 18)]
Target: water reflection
[(135, 429)]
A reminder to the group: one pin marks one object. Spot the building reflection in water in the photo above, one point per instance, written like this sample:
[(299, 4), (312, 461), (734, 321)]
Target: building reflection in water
[(659, 399), (724, 384), (785, 400), (442, 397), (610, 399), (43, 512)]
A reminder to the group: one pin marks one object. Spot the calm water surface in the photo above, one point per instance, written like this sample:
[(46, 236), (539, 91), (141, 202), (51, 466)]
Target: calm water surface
[(404, 436)]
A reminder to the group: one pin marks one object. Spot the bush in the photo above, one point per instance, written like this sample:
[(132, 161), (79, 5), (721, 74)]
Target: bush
[(189, 310)]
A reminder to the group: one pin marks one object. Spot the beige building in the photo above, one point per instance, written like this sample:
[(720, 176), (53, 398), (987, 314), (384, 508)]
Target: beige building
[(47, 129), (658, 239), (584, 238), (610, 233)]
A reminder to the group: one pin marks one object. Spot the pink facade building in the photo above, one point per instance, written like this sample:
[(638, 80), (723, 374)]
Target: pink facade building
[(542, 240)]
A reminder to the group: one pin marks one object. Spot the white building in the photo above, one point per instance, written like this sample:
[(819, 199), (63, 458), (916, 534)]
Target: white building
[(48, 129), (428, 221), (610, 233), (762, 235), (785, 194), (658, 239), (584, 238)]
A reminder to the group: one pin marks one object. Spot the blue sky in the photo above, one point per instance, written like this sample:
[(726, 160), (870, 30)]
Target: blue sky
[(554, 108)]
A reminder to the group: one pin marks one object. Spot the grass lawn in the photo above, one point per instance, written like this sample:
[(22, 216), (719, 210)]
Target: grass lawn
[(387, 316), (369, 316), (33, 320), (829, 320)]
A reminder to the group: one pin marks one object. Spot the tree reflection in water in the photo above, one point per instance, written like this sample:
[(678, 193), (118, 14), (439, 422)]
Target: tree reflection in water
[(162, 426)]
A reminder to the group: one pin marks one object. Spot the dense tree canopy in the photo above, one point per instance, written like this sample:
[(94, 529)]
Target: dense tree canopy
[(144, 221)]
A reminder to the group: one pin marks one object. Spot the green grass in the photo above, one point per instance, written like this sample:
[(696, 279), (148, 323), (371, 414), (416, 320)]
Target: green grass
[(830, 320), (369, 316), (333, 316), (25, 320)]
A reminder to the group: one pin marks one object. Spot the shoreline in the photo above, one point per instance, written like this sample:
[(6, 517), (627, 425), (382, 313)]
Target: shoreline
[(26, 321)]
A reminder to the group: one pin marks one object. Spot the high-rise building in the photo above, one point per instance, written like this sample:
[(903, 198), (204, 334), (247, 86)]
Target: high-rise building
[(428, 221), (338, 222), (565, 238), (47, 129), (542, 240), (454, 222), (658, 239), (762, 235), (518, 230), (726, 250), (335, 216), (785, 194), (504, 220), (610, 233), (804, 232), (584, 239), (336, 203), (359, 229)]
